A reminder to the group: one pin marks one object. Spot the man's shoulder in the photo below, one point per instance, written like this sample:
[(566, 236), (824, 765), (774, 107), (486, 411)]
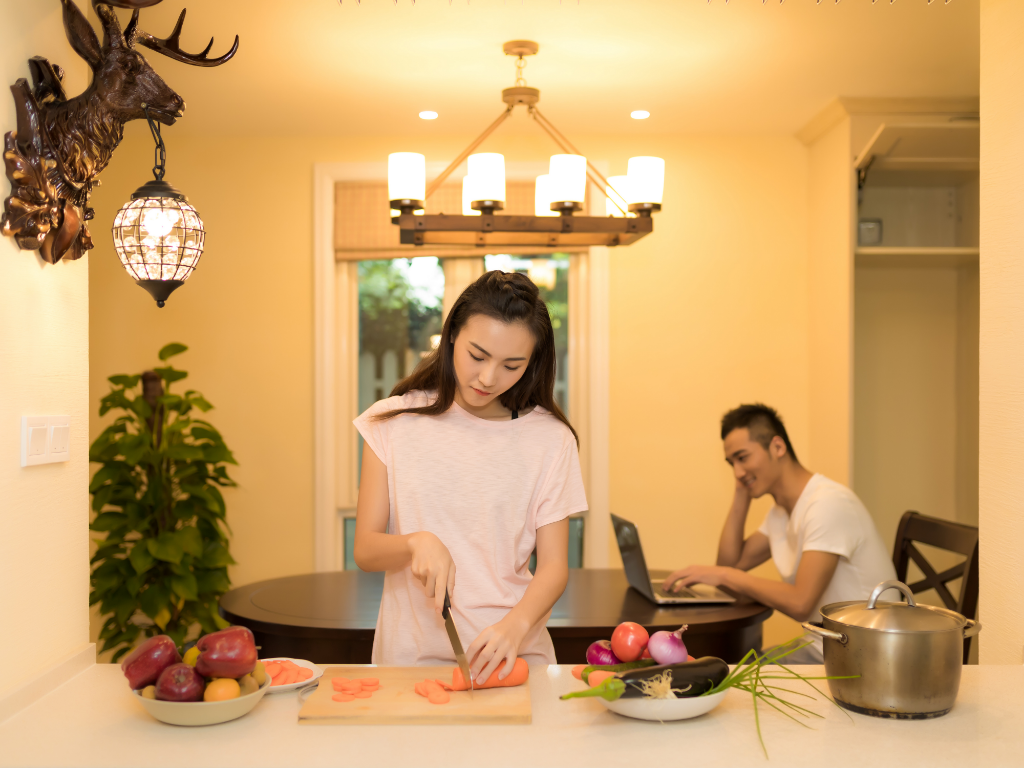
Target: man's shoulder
[(829, 497)]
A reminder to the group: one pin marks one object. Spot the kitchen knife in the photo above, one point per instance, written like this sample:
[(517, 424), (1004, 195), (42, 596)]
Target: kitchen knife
[(453, 636)]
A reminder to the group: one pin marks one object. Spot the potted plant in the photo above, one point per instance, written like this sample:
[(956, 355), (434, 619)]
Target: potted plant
[(158, 501)]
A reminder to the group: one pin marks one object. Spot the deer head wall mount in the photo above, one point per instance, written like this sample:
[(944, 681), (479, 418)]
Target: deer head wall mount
[(60, 145)]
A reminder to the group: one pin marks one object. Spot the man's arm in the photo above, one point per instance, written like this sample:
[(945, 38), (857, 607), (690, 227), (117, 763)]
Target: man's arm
[(796, 600), (733, 550)]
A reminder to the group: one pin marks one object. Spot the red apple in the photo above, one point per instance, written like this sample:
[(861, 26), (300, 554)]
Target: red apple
[(180, 682), (143, 666), (230, 652)]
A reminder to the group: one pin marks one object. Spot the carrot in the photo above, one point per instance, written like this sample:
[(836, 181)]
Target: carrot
[(363, 694), (577, 671), (443, 684), (342, 697), (304, 674), (369, 681), (519, 674), (420, 689), (598, 676), (440, 696), (272, 668)]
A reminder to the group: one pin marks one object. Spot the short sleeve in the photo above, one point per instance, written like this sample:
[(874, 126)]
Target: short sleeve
[(374, 430), (562, 494), (830, 526)]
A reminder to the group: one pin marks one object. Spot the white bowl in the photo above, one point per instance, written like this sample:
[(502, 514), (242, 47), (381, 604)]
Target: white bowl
[(317, 674), (665, 709), (202, 712)]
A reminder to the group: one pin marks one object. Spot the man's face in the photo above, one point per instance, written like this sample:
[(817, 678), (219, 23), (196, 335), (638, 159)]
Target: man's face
[(753, 465)]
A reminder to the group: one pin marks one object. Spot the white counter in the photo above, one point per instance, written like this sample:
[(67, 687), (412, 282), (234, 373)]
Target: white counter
[(92, 720)]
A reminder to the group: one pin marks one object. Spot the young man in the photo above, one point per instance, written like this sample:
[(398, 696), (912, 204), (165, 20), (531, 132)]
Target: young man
[(821, 538)]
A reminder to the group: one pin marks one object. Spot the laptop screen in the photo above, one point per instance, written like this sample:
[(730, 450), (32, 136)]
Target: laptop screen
[(633, 561)]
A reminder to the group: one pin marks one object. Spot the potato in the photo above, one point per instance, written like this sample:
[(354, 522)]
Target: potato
[(247, 685)]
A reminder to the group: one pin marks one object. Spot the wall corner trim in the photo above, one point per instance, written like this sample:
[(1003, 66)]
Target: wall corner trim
[(820, 124), (34, 689)]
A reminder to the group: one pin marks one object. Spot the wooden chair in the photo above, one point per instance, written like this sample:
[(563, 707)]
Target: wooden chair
[(954, 537)]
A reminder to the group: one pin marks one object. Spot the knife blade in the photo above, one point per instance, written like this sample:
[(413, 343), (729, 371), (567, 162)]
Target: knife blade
[(453, 636)]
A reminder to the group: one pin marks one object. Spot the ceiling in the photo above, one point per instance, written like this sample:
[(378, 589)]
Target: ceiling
[(320, 67)]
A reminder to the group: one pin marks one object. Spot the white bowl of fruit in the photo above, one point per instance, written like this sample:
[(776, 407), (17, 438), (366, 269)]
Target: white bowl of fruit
[(219, 679)]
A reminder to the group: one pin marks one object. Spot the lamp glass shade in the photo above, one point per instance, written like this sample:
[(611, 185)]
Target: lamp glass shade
[(407, 176), (542, 197), (617, 186), (158, 238), (568, 178), (646, 180), (468, 190), (487, 170)]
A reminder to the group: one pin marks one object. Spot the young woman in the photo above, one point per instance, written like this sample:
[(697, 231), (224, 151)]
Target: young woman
[(468, 466)]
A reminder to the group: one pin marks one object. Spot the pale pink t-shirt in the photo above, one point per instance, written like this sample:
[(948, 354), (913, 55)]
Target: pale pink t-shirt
[(483, 488)]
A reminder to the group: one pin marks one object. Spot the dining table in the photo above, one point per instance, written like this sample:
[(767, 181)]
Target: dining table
[(333, 616)]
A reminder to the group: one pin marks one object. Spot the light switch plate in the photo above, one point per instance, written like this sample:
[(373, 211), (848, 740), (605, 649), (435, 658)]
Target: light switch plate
[(45, 439)]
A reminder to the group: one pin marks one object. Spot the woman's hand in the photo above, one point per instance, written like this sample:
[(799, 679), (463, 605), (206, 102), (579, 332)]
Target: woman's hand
[(498, 642), (432, 564)]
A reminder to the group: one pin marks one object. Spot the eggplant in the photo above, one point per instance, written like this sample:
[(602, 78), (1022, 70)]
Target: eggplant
[(692, 677)]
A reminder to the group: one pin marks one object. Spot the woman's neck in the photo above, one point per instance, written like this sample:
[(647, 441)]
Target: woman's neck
[(493, 411)]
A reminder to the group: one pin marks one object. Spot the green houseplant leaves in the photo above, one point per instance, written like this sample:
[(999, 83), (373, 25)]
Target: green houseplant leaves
[(157, 499)]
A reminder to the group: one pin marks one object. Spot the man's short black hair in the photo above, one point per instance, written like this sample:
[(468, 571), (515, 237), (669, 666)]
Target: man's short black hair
[(763, 422)]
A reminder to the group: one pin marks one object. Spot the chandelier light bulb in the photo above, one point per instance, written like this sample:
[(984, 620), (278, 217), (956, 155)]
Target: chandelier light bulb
[(639, 114), (646, 183), (568, 174), (488, 172), (616, 194), (428, 115), (407, 179), (468, 190), (542, 199)]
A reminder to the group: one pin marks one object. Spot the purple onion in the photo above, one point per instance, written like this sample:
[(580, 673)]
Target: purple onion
[(600, 653), (668, 647)]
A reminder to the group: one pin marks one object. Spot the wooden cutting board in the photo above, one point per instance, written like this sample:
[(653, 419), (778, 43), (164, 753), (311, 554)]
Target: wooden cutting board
[(396, 703)]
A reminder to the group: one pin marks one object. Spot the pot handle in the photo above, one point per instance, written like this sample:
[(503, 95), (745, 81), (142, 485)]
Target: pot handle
[(816, 629), (891, 585), (971, 628)]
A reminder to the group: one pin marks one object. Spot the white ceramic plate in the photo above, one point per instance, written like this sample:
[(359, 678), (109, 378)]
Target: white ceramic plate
[(202, 712), (317, 674), (665, 709)]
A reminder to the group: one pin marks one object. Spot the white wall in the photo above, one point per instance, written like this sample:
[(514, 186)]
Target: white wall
[(1002, 329), (44, 366)]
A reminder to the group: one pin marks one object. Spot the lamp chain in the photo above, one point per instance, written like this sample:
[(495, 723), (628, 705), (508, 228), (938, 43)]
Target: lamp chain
[(520, 66), (160, 151)]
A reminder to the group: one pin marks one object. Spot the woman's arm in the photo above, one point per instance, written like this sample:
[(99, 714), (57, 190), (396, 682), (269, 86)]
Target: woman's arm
[(377, 550), (501, 641)]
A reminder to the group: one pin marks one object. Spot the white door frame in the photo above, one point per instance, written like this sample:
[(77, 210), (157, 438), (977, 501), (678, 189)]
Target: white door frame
[(332, 292)]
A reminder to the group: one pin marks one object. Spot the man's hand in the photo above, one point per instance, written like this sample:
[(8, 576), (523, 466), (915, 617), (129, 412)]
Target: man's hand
[(432, 565), (498, 642), (713, 575)]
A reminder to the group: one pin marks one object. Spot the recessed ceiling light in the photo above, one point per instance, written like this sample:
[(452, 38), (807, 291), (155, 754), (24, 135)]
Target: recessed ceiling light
[(639, 114), (428, 115)]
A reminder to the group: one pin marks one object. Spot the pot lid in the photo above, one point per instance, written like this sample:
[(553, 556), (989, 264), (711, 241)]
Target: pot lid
[(893, 617)]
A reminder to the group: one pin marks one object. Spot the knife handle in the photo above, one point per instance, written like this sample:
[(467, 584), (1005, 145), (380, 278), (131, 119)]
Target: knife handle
[(447, 605)]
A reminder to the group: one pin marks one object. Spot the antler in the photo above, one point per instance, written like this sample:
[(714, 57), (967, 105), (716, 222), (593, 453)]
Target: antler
[(171, 46)]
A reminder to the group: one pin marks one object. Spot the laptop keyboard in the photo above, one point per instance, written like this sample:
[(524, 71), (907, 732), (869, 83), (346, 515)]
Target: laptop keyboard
[(683, 592)]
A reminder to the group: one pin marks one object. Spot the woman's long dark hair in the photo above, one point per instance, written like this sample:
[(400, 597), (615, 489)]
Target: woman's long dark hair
[(510, 297)]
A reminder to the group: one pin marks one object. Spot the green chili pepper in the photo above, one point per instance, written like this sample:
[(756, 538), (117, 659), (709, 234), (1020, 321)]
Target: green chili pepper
[(610, 689)]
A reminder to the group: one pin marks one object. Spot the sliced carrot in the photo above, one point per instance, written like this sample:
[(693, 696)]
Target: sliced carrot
[(342, 697), (443, 684), (304, 674), (439, 696), (577, 671), (369, 681), (363, 695), (519, 674)]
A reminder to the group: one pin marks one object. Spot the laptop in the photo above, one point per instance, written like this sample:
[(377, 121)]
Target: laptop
[(639, 579)]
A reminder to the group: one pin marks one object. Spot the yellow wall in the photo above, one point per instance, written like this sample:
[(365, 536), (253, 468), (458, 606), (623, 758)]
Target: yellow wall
[(726, 273), (44, 357), (1002, 328)]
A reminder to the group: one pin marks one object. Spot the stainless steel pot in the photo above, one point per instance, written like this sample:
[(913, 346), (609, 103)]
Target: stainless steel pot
[(908, 656)]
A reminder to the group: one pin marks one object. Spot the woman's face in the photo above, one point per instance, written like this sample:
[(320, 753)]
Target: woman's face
[(490, 357)]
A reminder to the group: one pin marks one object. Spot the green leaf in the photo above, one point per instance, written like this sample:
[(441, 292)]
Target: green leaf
[(135, 583), (170, 375), (155, 599), (165, 547), (105, 583), (141, 559), (141, 407), (170, 350), (190, 540), (185, 586), (204, 433), (108, 521), (217, 556), (182, 452), (115, 399), (201, 403), (215, 581), (123, 380)]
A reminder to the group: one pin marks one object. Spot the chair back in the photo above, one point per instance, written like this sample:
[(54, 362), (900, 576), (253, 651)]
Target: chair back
[(943, 534)]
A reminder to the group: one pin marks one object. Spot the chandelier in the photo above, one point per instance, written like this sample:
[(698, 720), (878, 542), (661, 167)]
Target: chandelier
[(559, 195)]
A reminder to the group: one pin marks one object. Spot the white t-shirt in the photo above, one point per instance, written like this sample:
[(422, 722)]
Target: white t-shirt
[(483, 488), (828, 517)]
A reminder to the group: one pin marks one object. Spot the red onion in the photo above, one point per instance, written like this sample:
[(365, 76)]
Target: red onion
[(667, 647), (600, 653)]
